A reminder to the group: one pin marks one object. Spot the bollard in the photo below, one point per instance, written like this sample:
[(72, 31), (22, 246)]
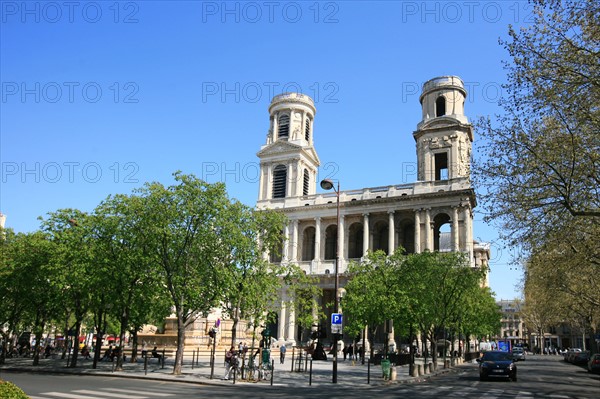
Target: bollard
[(146, 365), (419, 369), (369, 371), (293, 355), (305, 363), (431, 368), (310, 373), (412, 370), (446, 364), (272, 370), (393, 373), (243, 367), (234, 373), (162, 360)]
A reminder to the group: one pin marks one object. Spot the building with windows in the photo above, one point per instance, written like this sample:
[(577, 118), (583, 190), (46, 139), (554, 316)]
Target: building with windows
[(434, 213), (513, 327)]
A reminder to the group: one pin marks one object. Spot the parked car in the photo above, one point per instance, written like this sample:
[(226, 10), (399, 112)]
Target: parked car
[(518, 353), (593, 365), (571, 353), (582, 358), (497, 364)]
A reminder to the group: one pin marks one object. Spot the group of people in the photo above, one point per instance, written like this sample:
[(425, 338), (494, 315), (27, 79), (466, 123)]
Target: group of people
[(233, 355)]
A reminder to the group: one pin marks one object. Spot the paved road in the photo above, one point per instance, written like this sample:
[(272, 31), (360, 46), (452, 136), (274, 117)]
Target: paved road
[(539, 377)]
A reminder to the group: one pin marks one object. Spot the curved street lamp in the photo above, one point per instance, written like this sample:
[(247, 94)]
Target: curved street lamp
[(327, 184)]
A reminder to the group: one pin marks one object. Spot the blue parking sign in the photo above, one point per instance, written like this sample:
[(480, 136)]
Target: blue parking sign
[(336, 318)]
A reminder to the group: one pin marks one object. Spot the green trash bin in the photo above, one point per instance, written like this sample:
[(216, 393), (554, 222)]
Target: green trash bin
[(385, 367)]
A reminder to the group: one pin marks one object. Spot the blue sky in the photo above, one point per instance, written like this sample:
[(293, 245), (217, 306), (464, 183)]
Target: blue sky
[(99, 97)]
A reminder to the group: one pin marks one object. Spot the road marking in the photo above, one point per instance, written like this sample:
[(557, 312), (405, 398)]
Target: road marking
[(137, 392), (109, 394), (522, 394), (71, 396)]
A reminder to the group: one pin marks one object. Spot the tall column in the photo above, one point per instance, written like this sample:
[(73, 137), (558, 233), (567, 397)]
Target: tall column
[(286, 243), (469, 231), (417, 231), (269, 182), (281, 326), (291, 327), (455, 228), (365, 234), (294, 241), (276, 126), (391, 232), (341, 239), (464, 238), (428, 234), (299, 182), (291, 187), (318, 240)]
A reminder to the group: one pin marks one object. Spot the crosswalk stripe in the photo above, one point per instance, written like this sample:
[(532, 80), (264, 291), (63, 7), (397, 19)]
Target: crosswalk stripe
[(137, 392), (523, 394), (71, 396), (110, 394)]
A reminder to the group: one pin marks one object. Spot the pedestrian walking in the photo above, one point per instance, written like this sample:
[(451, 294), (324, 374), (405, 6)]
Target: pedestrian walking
[(282, 351)]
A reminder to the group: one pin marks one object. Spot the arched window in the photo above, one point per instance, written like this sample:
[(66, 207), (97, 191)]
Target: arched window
[(440, 106), (441, 166), (380, 237), (307, 130), (276, 254), (284, 126), (330, 242), (308, 244), (279, 181), (408, 238), (306, 182), (442, 235), (355, 241)]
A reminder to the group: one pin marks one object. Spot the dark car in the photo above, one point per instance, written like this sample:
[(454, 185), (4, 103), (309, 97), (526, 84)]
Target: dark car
[(497, 364), (593, 365)]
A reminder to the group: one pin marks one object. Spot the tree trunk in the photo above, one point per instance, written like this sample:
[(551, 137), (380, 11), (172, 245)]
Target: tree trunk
[(124, 321), (134, 345), (36, 349), (4, 347), (234, 330), (180, 342), (76, 344)]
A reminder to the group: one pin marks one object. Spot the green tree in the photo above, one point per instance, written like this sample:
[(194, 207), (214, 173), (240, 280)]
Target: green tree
[(122, 262), (12, 301), (31, 255), (70, 231), (376, 293), (186, 224), (250, 283), (440, 282), (540, 162), (303, 291)]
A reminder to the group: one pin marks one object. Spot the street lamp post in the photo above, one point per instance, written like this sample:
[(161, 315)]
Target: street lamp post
[(327, 184)]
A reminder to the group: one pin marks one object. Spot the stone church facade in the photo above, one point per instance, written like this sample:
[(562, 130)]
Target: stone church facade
[(435, 213)]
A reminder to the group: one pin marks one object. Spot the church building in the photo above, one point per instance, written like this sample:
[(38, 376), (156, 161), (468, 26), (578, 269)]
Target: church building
[(435, 213)]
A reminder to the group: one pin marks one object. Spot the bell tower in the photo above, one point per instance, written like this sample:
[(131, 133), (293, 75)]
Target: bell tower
[(288, 161), (444, 135)]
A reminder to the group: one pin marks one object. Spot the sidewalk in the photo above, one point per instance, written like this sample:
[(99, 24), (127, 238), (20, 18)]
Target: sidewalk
[(348, 374)]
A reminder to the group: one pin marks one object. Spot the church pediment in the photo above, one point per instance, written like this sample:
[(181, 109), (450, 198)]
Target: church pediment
[(279, 147), (439, 122), (285, 147)]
